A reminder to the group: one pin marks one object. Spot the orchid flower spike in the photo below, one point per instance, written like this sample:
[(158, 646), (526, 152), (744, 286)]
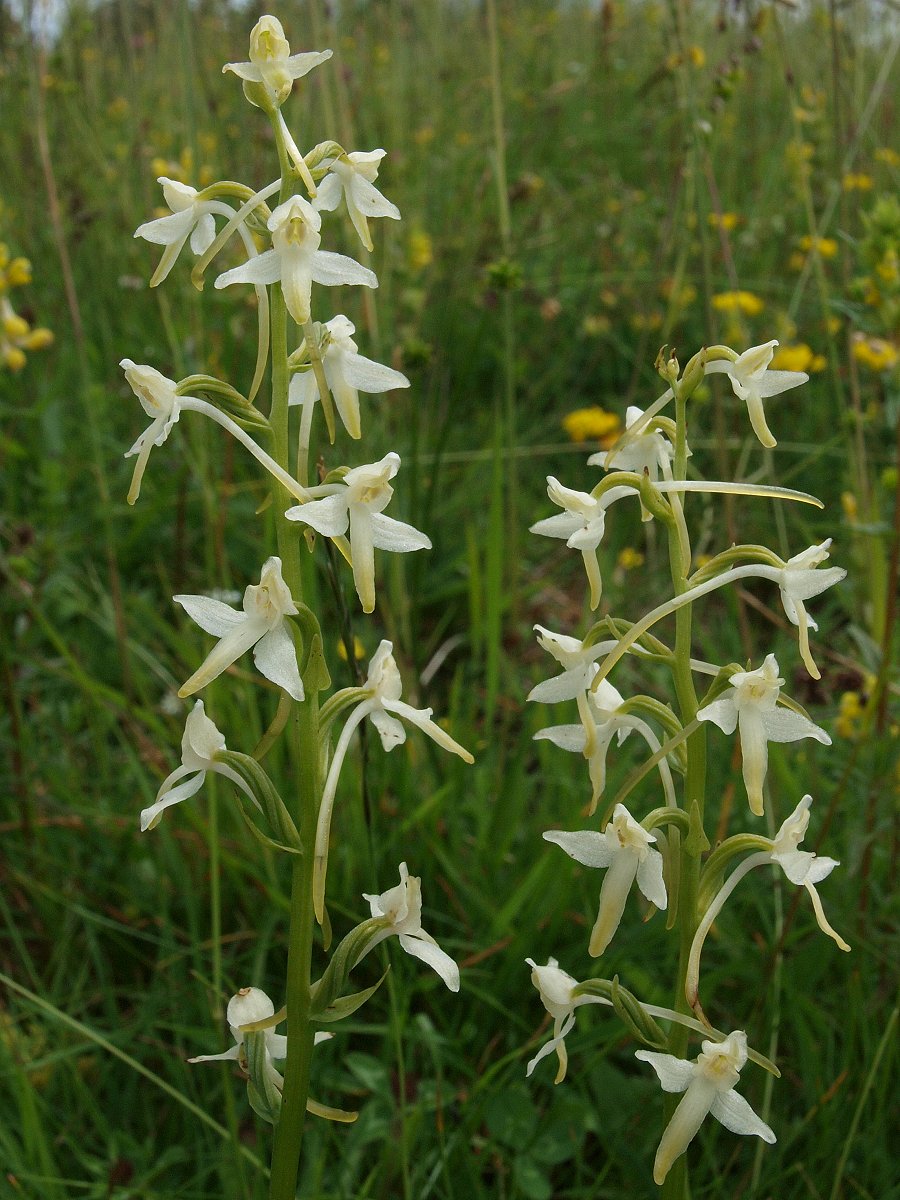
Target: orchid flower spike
[(800, 866), (271, 62), (200, 743), (581, 525), (382, 705), (800, 581), (296, 260), (353, 177), (248, 1007), (189, 218), (753, 382), (347, 373), (752, 709), (708, 1084), (262, 625), (625, 850), (358, 504), (556, 987), (602, 720), (650, 451), (402, 906)]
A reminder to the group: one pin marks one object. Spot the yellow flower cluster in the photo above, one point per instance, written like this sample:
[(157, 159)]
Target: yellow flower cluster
[(850, 714), (857, 182), (727, 221), (592, 424), (16, 334), (799, 357), (878, 354), (738, 302), (825, 247)]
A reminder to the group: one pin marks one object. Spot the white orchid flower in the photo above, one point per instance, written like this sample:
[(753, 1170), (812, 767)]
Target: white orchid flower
[(200, 743), (802, 867), (581, 525), (382, 705), (353, 177), (602, 720), (296, 260), (161, 402), (262, 625), (357, 504), (650, 451), (347, 373), (271, 62), (402, 905), (625, 850), (753, 382), (752, 709), (189, 218), (248, 1007), (708, 1085), (800, 581), (556, 987)]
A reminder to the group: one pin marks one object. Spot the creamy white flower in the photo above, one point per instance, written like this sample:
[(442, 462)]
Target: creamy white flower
[(581, 525), (625, 850), (262, 625), (189, 218), (347, 373), (602, 720), (752, 709), (271, 62), (353, 177), (296, 260), (357, 504), (651, 451), (708, 1085), (556, 987), (200, 743), (381, 703), (753, 382), (800, 581), (802, 867), (579, 663), (402, 905)]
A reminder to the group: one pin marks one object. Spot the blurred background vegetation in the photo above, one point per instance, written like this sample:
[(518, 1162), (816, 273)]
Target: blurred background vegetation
[(580, 184)]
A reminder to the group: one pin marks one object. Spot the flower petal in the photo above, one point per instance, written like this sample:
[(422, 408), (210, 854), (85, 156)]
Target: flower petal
[(211, 615), (334, 269), (388, 534), (369, 376), (265, 268), (429, 952), (733, 1111), (674, 1073), (585, 846), (276, 657), (330, 516)]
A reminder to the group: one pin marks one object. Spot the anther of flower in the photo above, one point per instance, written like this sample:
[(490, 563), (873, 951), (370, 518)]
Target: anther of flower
[(200, 743), (402, 906), (357, 504), (625, 851), (262, 625), (161, 402), (271, 62), (602, 720), (189, 218), (800, 581), (249, 1006), (296, 260), (581, 525), (347, 373), (708, 1084), (556, 987), (752, 709), (381, 703), (353, 177), (802, 867), (753, 382)]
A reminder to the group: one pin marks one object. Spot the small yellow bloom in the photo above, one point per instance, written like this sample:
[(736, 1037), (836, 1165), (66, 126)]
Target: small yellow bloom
[(832, 325), (13, 357), (877, 354), (726, 220), (826, 247), (849, 715), (850, 506), (39, 339), (696, 56), (888, 156), (18, 273), (743, 302), (15, 326), (799, 357), (595, 325), (592, 424), (629, 558), (796, 261), (419, 250), (857, 182), (359, 650)]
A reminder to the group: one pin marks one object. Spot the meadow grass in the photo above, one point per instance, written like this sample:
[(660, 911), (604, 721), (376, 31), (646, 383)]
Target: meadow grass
[(654, 159)]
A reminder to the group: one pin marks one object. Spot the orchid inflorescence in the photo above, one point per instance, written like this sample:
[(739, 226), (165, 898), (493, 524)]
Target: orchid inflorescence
[(662, 853), (324, 373)]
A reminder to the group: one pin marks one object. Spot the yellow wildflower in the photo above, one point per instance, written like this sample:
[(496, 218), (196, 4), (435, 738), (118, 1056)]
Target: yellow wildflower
[(629, 558), (18, 273), (850, 505), (359, 650), (888, 156), (419, 250), (595, 325), (849, 715), (592, 424), (832, 325), (13, 357), (857, 182), (799, 357), (726, 220), (742, 302), (826, 247), (697, 56), (877, 354)]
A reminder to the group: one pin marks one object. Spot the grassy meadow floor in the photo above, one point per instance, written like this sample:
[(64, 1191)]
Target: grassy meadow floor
[(622, 177)]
